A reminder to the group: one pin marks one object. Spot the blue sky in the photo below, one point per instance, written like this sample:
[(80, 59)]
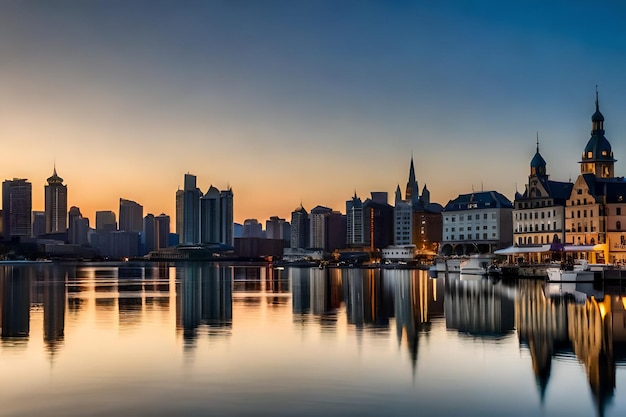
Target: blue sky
[(302, 101)]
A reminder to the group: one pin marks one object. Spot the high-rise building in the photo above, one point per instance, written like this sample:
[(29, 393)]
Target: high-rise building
[(354, 213), (149, 233), (106, 221), (162, 230), (252, 228), (39, 223), (227, 217), (17, 208), (131, 216), (179, 214), (191, 211), (210, 212), (56, 204), (299, 228), (78, 232), (378, 224), (317, 224), (274, 228)]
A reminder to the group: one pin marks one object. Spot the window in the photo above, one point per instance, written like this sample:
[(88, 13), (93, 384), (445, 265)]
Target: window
[(584, 213), (618, 211), (543, 215), (584, 201), (618, 225), (461, 237), (485, 216), (461, 218), (485, 227), (485, 236), (469, 217)]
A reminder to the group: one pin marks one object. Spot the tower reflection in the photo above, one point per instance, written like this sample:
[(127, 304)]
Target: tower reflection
[(204, 298)]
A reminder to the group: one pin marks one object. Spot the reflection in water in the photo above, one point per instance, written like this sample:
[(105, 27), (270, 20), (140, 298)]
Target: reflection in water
[(16, 281), (570, 322), (54, 309), (204, 298), (550, 322), (479, 307)]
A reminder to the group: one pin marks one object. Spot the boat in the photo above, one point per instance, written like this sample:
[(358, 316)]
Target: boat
[(578, 272), (476, 265)]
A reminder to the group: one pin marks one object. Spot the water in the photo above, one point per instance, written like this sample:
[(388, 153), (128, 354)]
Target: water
[(203, 339)]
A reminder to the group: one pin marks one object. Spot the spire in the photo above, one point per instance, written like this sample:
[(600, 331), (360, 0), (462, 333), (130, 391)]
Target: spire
[(597, 104), (537, 141), (398, 194)]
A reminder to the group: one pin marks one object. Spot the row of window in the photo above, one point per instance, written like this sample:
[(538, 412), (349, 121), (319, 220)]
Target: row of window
[(470, 236), (535, 240), (470, 217), (528, 216), (529, 228), (528, 204), (469, 228)]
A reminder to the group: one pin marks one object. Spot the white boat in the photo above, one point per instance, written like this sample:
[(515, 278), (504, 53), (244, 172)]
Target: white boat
[(447, 265), (580, 272), (476, 265)]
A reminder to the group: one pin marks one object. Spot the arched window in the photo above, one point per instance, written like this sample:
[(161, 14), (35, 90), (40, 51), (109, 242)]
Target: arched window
[(618, 225)]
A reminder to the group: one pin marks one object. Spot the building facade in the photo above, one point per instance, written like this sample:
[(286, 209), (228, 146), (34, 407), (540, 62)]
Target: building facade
[(131, 216), (477, 223), (539, 213), (17, 208), (299, 228)]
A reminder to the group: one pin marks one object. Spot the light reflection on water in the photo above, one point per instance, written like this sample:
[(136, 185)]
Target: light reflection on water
[(197, 339)]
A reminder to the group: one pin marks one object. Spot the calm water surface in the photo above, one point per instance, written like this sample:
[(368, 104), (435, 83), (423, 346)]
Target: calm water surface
[(203, 339)]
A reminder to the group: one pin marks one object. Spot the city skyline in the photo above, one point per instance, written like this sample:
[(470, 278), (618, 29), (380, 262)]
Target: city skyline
[(320, 99)]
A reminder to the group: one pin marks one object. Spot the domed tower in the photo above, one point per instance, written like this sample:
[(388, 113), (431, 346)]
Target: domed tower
[(538, 164), (597, 157)]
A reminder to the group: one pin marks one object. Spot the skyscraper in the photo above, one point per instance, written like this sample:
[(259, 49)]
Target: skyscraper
[(227, 217), (299, 228), (162, 230), (56, 204), (354, 213), (179, 214), (149, 233), (105, 221), (16, 208), (317, 223), (131, 216), (210, 207), (191, 211)]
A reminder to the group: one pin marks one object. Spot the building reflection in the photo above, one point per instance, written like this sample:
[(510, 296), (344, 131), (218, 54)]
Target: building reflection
[(300, 279), (479, 307), (572, 319), (204, 299), (54, 296), (16, 293)]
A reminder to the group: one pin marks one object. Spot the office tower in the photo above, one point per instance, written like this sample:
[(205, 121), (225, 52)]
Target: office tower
[(227, 217), (354, 213), (299, 228), (179, 214), (191, 211), (17, 208), (378, 224), (78, 231), (105, 221), (149, 233), (131, 216), (252, 228), (56, 204), (210, 216), (274, 228), (317, 230), (162, 230), (39, 223), (335, 231)]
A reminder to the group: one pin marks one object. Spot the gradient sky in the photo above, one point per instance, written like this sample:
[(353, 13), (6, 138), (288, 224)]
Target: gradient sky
[(303, 101)]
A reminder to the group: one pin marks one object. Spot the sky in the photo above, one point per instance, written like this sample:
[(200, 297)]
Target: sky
[(292, 102)]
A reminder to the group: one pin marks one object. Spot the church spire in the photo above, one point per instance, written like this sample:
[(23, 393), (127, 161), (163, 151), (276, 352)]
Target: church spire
[(412, 189)]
